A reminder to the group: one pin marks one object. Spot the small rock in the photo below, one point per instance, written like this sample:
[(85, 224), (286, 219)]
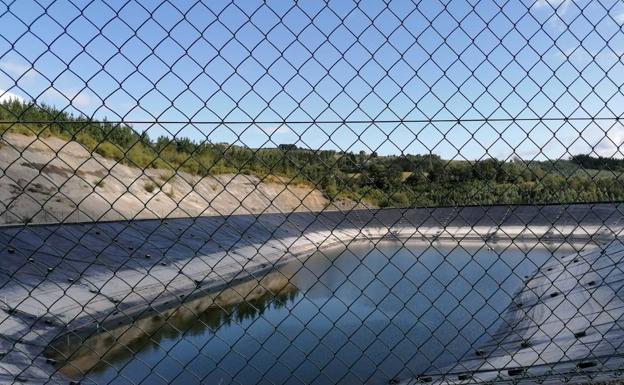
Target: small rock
[(516, 372), (580, 334), (586, 364)]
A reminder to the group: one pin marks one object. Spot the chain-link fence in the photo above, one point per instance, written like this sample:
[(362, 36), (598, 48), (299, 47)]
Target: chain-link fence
[(311, 192)]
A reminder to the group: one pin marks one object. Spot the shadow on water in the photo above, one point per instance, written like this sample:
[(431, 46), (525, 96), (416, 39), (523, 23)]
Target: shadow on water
[(365, 314), (76, 357)]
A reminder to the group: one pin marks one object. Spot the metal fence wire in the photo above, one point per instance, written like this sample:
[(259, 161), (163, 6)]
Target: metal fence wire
[(312, 192)]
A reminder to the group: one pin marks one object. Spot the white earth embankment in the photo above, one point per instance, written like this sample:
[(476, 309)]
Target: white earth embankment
[(51, 180)]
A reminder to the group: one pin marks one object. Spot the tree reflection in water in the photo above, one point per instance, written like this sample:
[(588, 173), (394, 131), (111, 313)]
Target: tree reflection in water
[(374, 310), (77, 356)]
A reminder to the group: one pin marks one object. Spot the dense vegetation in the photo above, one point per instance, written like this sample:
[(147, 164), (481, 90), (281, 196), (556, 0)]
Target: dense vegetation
[(401, 181)]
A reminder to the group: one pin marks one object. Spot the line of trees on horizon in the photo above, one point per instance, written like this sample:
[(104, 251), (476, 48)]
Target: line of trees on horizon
[(387, 181)]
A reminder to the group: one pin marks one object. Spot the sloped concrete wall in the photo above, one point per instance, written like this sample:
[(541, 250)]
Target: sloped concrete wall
[(79, 277), (565, 325)]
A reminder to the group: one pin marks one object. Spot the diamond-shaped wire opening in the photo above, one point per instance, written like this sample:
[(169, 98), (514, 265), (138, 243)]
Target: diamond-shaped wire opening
[(373, 192)]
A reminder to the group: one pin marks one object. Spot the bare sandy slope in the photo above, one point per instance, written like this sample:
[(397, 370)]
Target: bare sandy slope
[(52, 180)]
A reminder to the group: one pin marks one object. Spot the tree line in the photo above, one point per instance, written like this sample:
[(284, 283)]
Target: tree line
[(387, 181)]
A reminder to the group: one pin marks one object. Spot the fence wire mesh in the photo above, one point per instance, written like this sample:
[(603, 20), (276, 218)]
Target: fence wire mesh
[(278, 192)]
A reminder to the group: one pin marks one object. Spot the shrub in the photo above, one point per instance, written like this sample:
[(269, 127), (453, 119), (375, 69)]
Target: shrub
[(87, 141), (140, 156), (109, 150), (149, 187)]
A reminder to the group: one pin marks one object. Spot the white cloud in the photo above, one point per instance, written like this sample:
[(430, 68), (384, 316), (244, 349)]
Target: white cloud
[(6, 96), (611, 142), (275, 129), (552, 3), (583, 56), (576, 54), (561, 6), (557, 7), (19, 70), (82, 100), (78, 99)]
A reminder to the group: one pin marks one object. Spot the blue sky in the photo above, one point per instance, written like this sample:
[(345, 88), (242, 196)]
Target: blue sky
[(388, 68)]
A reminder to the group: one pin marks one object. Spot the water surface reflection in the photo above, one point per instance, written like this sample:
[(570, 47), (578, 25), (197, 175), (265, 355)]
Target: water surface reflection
[(362, 315)]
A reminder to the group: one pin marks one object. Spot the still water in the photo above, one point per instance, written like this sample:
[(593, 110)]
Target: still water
[(366, 314)]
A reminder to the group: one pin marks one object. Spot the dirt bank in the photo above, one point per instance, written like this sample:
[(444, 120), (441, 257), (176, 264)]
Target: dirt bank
[(50, 180)]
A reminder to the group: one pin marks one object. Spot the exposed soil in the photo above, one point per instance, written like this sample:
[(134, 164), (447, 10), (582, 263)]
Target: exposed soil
[(47, 180)]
